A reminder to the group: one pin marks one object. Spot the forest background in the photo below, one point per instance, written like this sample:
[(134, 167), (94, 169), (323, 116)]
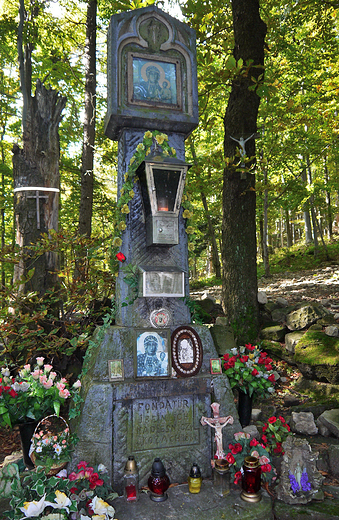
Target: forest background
[(296, 162)]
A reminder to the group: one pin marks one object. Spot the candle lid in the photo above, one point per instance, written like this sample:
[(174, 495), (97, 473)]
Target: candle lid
[(221, 464), (195, 471), (131, 465), (158, 469), (251, 462)]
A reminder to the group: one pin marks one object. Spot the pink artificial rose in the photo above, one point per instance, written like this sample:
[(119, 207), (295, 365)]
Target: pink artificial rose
[(255, 454), (27, 367), (52, 375), (264, 460), (60, 385), (48, 384), (64, 393), (48, 368), (77, 384), (36, 374), (72, 476), (82, 464), (40, 361), (43, 379)]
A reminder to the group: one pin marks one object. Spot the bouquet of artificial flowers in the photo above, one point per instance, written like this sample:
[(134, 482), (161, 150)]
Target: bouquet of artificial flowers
[(274, 433), (250, 370), (32, 394)]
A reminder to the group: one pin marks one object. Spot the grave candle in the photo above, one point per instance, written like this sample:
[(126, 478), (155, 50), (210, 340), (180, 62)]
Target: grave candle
[(251, 480), (131, 480), (158, 482)]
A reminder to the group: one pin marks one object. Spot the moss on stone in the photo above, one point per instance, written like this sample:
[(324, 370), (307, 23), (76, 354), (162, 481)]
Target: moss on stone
[(315, 348)]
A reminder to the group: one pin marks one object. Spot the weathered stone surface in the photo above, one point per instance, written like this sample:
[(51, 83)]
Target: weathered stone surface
[(282, 302), (333, 456), (205, 505), (330, 419), (317, 356), (262, 297), (253, 431), (332, 330), (279, 315), (256, 414), (291, 400), (303, 422), (222, 320), (304, 315), (292, 339), (327, 510), (273, 332), (223, 338)]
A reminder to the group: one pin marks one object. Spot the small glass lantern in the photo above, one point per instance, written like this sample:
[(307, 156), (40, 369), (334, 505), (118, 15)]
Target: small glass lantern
[(194, 479), (162, 180), (158, 482), (221, 477), (131, 480), (251, 480)]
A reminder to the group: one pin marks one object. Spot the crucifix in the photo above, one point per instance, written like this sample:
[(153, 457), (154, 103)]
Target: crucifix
[(218, 423), (241, 141), (37, 196)]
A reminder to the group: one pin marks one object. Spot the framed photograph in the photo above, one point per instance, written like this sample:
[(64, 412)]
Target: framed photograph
[(154, 81), (116, 369), (152, 358), (215, 366), (187, 351)]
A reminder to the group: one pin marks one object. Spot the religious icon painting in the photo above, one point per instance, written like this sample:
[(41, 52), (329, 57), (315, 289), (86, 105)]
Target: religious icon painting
[(154, 81), (215, 365), (187, 351), (152, 358), (116, 369)]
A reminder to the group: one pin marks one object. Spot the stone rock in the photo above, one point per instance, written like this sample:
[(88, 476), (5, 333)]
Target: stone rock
[(223, 338), (207, 304), (273, 332), (303, 422), (291, 400), (327, 320), (256, 414), (332, 330), (304, 315), (317, 356), (316, 326), (330, 419), (222, 320), (333, 457), (325, 301), (279, 315), (336, 316), (262, 297), (322, 429), (292, 339), (253, 431), (282, 302)]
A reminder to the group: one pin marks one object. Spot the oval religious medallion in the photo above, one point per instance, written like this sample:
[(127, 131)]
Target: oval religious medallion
[(187, 351), (160, 318)]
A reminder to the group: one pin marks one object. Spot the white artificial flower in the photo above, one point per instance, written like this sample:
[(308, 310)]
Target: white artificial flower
[(62, 473), (5, 372), (271, 390), (34, 508), (265, 376), (62, 501), (100, 507), (249, 363), (39, 449), (234, 351), (242, 350), (85, 517), (23, 387), (77, 384), (102, 468), (58, 449)]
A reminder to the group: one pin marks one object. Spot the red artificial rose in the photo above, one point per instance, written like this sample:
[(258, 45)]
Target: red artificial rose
[(266, 468), (237, 477), (73, 490), (268, 367), (121, 257), (278, 449), (272, 420), (95, 481), (230, 459), (226, 357), (72, 476), (88, 505), (264, 438), (264, 428), (250, 347), (269, 360), (82, 464), (12, 393), (236, 448), (281, 418), (226, 366), (263, 354), (261, 361), (231, 363), (271, 378), (244, 359), (254, 442), (287, 427), (255, 372)]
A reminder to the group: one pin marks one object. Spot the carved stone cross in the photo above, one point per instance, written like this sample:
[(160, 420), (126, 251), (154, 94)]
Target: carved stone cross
[(218, 424), (37, 196)]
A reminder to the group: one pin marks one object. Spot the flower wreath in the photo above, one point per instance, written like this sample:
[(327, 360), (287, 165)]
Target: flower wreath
[(127, 192)]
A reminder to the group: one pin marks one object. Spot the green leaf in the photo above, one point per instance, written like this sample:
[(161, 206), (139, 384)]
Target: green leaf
[(56, 406)]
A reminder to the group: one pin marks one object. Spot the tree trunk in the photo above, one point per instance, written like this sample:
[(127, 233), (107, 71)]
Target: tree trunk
[(86, 198), (328, 202), (306, 214), (37, 166), (240, 288), (288, 228)]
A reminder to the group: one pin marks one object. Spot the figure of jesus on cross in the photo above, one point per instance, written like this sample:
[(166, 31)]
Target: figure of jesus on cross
[(218, 424)]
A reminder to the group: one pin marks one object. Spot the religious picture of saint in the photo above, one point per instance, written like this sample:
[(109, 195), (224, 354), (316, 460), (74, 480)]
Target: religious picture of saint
[(152, 354), (215, 366), (116, 369), (185, 351), (154, 81)]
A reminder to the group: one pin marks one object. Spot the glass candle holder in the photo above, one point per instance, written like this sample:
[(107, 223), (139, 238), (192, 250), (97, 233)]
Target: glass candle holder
[(158, 482), (131, 480), (221, 477), (251, 480), (194, 479)]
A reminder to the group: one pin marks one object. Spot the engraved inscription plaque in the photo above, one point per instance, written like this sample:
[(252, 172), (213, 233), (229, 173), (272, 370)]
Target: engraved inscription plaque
[(164, 423), (166, 281)]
